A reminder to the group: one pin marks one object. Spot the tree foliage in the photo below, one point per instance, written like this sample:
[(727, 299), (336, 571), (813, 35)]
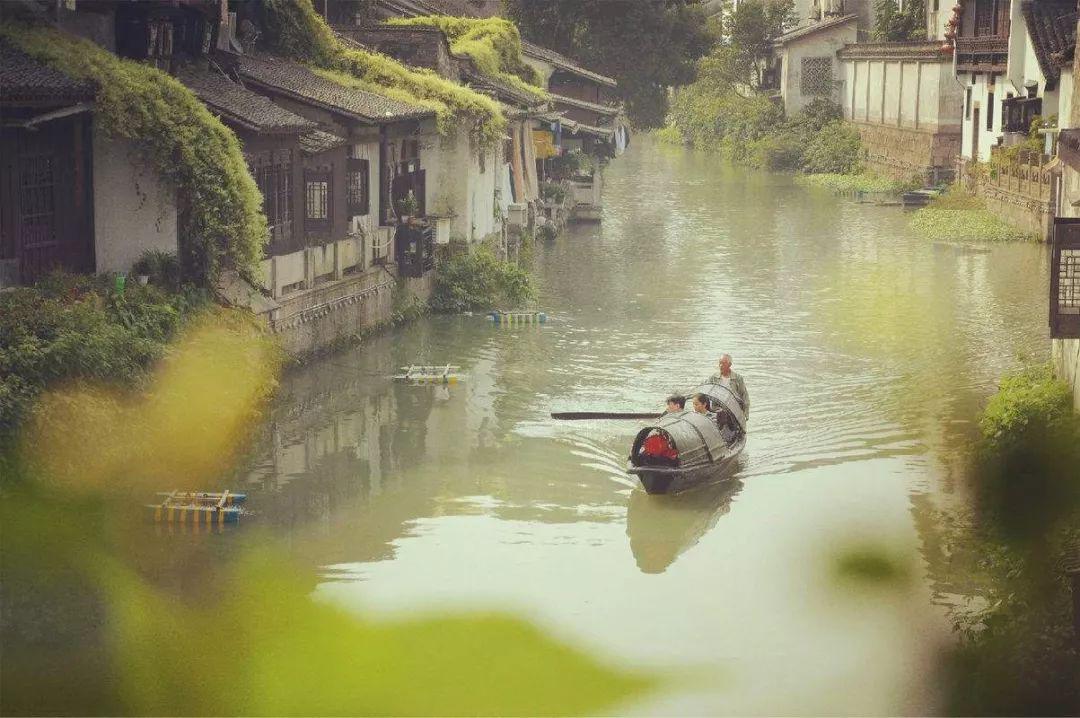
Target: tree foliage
[(891, 24), (647, 46), (749, 33)]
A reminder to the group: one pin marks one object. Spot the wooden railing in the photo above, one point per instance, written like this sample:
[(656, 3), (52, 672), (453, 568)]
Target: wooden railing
[(1030, 175), (982, 54)]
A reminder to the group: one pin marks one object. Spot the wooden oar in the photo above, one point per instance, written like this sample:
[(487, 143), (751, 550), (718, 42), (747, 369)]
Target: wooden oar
[(574, 415)]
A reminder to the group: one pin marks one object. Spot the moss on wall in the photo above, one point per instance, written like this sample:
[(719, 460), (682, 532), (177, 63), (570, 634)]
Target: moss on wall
[(294, 30), (223, 225), (494, 44)]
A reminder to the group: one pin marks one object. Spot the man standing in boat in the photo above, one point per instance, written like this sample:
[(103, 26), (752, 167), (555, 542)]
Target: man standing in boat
[(731, 380)]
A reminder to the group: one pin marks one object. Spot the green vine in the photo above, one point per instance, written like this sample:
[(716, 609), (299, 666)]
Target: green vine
[(192, 151), (293, 29), (494, 44)]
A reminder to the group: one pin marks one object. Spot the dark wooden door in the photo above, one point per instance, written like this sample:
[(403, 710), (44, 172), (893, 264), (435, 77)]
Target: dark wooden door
[(975, 127), (45, 198)]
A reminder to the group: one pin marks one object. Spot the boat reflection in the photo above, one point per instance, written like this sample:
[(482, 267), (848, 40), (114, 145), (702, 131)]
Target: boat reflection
[(662, 527)]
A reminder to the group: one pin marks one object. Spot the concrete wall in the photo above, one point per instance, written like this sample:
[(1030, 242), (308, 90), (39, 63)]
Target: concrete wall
[(133, 209), (462, 180), (907, 111), (316, 319), (916, 94), (981, 88), (825, 43), (1066, 358)]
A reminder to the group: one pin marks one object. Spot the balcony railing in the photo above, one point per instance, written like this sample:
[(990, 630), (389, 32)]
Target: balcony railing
[(982, 54)]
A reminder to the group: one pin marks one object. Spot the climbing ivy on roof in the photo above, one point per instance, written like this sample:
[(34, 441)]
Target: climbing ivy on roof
[(494, 44), (293, 29), (223, 225)]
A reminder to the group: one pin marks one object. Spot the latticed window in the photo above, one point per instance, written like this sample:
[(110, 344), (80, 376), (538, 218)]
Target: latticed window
[(357, 187), (817, 76), (273, 175), (1065, 280), (36, 188), (318, 200)]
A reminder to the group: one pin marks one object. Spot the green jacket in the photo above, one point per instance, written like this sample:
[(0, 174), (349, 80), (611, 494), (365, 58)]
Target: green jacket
[(738, 386)]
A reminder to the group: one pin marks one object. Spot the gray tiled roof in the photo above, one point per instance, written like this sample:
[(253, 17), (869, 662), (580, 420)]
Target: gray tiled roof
[(803, 31), (24, 78), (1052, 27), (239, 105), (316, 141), (503, 90), (565, 63), (584, 105), (302, 83)]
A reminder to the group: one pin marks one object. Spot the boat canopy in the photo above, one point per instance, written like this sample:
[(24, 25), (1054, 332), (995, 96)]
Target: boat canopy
[(694, 436), (723, 399)]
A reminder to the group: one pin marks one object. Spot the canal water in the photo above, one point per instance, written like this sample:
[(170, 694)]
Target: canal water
[(867, 352)]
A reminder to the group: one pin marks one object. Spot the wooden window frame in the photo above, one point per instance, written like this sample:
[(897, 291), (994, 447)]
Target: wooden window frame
[(316, 223), (1065, 265), (360, 168)]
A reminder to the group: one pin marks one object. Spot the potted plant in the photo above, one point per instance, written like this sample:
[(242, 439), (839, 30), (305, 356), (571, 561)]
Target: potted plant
[(158, 268), (407, 207)]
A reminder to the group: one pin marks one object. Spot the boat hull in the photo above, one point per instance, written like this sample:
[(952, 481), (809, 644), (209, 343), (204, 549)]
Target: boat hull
[(664, 480)]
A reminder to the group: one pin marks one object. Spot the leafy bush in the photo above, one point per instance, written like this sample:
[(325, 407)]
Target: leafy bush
[(1031, 399), (77, 327), (669, 135), (553, 192), (479, 280), (185, 144), (782, 151), (546, 233), (565, 166), (835, 148)]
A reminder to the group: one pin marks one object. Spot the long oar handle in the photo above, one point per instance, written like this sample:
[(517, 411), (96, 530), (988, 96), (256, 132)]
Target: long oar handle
[(574, 415)]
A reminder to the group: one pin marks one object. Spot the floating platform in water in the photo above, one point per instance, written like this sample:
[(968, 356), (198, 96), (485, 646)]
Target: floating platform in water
[(424, 374), (518, 317), (920, 197), (205, 497), (198, 508)]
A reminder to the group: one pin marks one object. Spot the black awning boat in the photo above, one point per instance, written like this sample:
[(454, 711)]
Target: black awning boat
[(685, 448)]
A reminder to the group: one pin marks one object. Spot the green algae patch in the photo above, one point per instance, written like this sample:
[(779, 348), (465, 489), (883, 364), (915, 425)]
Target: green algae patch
[(966, 225), (494, 44), (294, 30), (170, 128)]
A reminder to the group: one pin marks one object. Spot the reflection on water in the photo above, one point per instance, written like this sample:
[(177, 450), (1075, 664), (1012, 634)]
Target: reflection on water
[(866, 350), (662, 527)]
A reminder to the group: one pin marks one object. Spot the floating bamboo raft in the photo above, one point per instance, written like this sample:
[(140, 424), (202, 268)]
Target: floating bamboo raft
[(425, 374), (198, 508), (509, 318)]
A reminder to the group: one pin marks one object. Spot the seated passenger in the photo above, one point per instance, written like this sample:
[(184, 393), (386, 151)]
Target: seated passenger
[(675, 403), (701, 405)]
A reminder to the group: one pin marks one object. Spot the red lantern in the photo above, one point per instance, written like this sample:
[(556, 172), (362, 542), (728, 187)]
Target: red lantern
[(958, 9), (950, 36), (953, 21), (946, 49)]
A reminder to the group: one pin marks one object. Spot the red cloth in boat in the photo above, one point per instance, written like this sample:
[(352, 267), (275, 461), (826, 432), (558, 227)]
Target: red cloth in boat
[(658, 445)]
